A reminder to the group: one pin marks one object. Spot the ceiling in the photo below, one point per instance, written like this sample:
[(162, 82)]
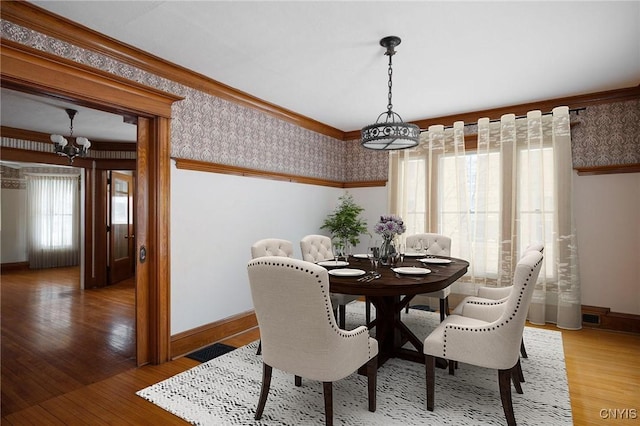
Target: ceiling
[(323, 60)]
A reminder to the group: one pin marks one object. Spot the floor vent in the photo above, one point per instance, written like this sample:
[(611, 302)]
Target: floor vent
[(591, 319)]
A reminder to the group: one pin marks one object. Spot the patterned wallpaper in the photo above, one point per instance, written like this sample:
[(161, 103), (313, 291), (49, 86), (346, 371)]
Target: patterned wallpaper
[(608, 134), (15, 178), (211, 129)]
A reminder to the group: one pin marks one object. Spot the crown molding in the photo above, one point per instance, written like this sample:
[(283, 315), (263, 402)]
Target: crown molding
[(33, 17), (573, 102)]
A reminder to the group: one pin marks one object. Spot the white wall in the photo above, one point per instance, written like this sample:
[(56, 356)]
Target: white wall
[(214, 220), (14, 226), (608, 227)]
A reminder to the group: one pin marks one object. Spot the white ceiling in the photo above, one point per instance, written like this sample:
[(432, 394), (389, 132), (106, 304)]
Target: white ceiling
[(322, 59)]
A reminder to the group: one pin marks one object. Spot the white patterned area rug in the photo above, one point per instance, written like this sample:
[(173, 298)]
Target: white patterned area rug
[(225, 390)]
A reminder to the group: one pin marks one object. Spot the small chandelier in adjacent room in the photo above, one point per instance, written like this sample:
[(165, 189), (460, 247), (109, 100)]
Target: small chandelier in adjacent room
[(390, 132), (71, 148)]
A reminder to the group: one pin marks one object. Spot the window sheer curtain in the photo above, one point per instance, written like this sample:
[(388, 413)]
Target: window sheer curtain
[(512, 189), (53, 221)]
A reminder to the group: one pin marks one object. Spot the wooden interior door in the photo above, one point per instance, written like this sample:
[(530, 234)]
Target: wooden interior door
[(121, 227)]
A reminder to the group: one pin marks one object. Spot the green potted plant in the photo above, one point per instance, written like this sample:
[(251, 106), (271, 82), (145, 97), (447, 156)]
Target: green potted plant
[(344, 223)]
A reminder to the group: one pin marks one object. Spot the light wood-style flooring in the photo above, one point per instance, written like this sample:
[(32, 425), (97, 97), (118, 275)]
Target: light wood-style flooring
[(67, 358)]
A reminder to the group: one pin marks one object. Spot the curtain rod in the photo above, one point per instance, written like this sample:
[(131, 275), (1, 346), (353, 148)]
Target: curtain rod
[(495, 120)]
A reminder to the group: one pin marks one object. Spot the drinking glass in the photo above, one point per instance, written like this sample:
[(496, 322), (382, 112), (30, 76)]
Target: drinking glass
[(401, 251), (375, 259)]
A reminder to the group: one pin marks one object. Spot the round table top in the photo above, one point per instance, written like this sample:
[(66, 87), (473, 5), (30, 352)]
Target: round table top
[(391, 283)]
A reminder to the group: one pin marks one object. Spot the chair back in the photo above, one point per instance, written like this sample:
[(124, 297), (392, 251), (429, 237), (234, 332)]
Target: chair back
[(434, 244), (316, 248), (533, 247), (272, 247), (510, 324), (305, 341)]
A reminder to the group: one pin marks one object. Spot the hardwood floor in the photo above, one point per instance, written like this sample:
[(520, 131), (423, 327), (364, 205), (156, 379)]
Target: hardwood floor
[(57, 338), (64, 380)]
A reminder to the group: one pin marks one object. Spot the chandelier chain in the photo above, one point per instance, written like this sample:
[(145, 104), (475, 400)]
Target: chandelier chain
[(390, 72)]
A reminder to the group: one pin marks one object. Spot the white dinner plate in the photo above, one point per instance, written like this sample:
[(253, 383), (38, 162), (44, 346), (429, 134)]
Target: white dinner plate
[(412, 271), (413, 254), (435, 260), (362, 256), (346, 272), (333, 263)]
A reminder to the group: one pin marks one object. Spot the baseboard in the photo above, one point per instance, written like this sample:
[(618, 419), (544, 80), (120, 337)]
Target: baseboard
[(603, 318), (15, 266), (191, 340)]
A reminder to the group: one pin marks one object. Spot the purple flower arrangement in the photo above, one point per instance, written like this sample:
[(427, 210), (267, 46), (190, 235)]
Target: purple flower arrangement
[(389, 226)]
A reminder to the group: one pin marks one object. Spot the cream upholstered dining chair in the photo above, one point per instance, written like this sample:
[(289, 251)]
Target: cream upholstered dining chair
[(493, 296), (438, 245), (316, 248), (271, 247), (490, 340), (307, 341)]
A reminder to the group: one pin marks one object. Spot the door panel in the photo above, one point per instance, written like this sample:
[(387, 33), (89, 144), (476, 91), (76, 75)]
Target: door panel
[(121, 227)]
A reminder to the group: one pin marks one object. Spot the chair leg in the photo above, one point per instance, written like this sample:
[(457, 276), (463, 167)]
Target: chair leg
[(343, 314), (516, 380), (430, 367), (406, 309), (328, 403), (298, 380), (264, 392), (519, 371), (504, 380), (372, 382), (259, 348), (452, 367), (523, 351)]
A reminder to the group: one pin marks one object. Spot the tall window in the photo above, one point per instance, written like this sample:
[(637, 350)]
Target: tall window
[(511, 190), (53, 221)]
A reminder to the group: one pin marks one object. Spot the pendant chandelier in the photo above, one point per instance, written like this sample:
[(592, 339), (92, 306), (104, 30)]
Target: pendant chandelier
[(390, 132), (72, 147)]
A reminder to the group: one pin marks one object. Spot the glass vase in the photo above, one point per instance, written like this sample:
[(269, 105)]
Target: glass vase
[(387, 251)]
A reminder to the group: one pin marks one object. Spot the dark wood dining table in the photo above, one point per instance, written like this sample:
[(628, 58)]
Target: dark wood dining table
[(390, 294)]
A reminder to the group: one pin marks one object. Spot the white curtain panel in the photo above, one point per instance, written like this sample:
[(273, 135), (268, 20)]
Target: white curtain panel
[(494, 191), (53, 221)]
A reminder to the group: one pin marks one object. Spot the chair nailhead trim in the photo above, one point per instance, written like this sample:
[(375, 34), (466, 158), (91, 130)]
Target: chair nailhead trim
[(506, 321)]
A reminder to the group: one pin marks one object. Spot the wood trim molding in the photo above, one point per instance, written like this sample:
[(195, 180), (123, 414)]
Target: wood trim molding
[(31, 16), (199, 337), (36, 72), (23, 65), (605, 170), (30, 135), (202, 166), (26, 156), (14, 266), (580, 101), (598, 317)]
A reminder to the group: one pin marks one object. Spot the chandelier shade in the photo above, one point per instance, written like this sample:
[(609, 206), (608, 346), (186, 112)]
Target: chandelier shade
[(71, 148), (389, 131)]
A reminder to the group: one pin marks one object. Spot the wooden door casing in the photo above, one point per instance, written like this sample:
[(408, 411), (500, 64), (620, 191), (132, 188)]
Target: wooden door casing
[(30, 70)]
